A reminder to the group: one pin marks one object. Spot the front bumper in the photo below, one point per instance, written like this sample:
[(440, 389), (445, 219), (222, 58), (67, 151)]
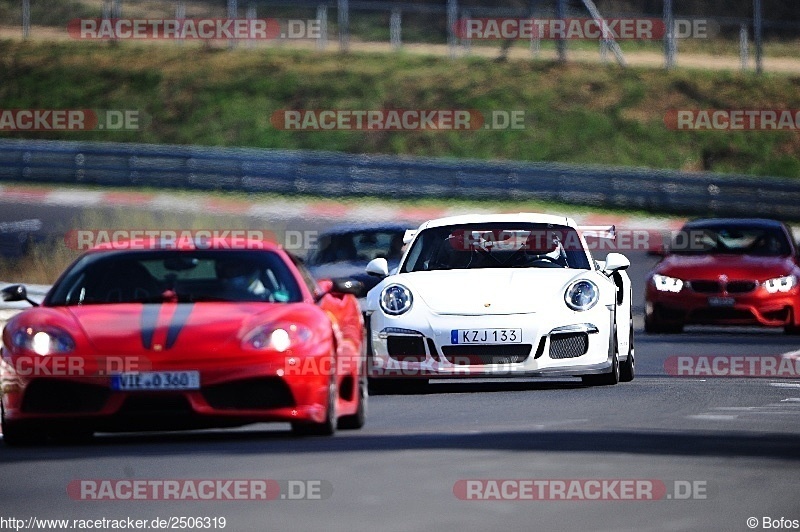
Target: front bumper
[(405, 346), (753, 308), (229, 395)]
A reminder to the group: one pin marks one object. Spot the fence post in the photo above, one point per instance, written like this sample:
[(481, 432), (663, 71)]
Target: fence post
[(452, 14), (669, 36), (757, 34), (233, 10), (344, 25), (395, 21), (743, 46), (252, 14), (180, 15), (535, 37), (561, 44), (322, 17), (26, 19)]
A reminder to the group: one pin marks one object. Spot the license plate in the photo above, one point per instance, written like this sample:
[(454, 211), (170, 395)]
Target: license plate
[(485, 336), (721, 301), (156, 381)]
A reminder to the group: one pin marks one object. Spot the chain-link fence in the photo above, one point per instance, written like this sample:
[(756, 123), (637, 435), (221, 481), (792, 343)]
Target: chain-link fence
[(560, 28)]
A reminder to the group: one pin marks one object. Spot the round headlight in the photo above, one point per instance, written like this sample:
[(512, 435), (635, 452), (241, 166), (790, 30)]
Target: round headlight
[(46, 341), (396, 299), (581, 295)]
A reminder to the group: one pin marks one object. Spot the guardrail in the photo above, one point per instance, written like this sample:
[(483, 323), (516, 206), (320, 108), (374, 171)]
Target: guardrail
[(340, 174)]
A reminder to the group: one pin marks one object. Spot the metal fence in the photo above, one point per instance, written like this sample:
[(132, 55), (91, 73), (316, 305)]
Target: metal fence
[(337, 174), (395, 23)]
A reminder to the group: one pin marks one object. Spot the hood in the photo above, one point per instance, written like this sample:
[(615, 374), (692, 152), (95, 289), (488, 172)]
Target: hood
[(736, 267), (174, 329), (490, 290)]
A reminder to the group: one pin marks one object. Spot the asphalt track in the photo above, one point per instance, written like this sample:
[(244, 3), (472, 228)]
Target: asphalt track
[(736, 440)]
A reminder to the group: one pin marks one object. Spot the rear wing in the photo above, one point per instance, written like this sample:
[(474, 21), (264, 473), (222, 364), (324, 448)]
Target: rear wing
[(598, 231)]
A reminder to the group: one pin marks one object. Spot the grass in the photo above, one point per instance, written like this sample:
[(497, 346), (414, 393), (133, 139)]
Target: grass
[(584, 114)]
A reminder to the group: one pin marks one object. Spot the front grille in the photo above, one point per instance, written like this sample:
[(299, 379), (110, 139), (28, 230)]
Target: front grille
[(482, 355), (706, 287), (569, 345), (777, 315), (711, 315), (741, 287), (252, 394), (155, 405), (406, 348), (51, 396)]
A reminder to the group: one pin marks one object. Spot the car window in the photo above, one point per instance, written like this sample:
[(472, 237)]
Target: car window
[(732, 239), (496, 245), (183, 276), (358, 246)]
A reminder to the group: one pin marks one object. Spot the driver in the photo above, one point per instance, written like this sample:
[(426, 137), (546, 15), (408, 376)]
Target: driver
[(240, 278)]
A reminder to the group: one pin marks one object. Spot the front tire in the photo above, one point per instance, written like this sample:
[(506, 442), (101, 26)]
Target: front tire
[(627, 369), (357, 420), (612, 377), (16, 434), (328, 426)]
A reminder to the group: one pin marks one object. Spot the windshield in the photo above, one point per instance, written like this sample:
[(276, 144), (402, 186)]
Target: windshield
[(182, 276), (731, 239), (358, 246), (496, 245)]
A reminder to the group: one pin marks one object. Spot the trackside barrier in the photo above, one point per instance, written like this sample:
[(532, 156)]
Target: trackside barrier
[(340, 174)]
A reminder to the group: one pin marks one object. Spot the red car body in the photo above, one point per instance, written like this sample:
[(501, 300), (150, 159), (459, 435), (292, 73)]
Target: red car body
[(722, 286), (132, 366)]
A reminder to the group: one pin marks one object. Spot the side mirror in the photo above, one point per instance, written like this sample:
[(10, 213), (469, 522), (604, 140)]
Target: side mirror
[(348, 286), (616, 261), (378, 267), (16, 292)]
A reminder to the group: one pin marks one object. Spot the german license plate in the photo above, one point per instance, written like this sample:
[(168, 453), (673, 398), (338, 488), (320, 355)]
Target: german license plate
[(156, 381), (721, 301), (485, 336)]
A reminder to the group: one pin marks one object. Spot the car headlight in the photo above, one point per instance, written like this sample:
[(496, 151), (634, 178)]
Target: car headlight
[(43, 341), (581, 295), (277, 337), (667, 284), (780, 284), (396, 299)]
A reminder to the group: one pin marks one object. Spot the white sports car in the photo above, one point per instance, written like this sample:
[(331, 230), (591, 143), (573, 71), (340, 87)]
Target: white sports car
[(501, 295)]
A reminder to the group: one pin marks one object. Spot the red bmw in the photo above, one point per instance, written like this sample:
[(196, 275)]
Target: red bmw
[(183, 337), (726, 272)]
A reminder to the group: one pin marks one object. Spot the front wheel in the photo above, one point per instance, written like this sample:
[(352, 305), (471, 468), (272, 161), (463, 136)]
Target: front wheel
[(16, 434), (328, 426), (357, 420), (612, 377), (627, 369)]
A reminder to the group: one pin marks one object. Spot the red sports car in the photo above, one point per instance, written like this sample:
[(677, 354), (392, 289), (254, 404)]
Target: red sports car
[(183, 337), (726, 272)]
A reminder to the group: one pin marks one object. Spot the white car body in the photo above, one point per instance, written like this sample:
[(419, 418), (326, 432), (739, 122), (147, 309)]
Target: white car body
[(518, 315)]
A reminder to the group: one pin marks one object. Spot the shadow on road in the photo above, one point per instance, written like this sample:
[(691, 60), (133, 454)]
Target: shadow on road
[(263, 443)]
